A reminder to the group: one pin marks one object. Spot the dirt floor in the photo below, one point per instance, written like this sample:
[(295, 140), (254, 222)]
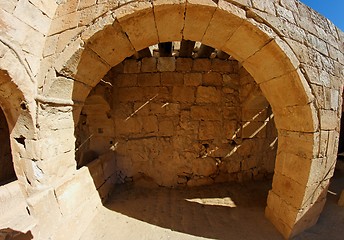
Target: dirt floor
[(221, 211)]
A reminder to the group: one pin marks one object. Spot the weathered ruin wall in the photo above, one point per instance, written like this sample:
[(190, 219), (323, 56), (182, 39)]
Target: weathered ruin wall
[(297, 50), (179, 121)]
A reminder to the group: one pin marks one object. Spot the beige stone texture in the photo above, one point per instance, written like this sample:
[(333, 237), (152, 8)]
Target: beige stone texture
[(137, 21), (198, 13), (228, 18), (111, 44), (169, 19), (240, 49), (177, 121), (166, 64), (149, 65)]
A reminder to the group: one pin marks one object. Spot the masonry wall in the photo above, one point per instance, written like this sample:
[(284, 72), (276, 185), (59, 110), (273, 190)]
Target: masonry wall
[(179, 121)]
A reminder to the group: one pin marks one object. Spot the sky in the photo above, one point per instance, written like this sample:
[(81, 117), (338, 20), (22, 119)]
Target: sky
[(331, 9)]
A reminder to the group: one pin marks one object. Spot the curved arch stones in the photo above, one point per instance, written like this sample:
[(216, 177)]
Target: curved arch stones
[(294, 54)]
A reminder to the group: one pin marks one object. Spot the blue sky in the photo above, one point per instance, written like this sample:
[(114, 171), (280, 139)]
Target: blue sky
[(332, 9)]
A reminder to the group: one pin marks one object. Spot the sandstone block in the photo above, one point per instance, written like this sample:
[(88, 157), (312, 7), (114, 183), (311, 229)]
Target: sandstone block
[(240, 49), (228, 18), (63, 23), (198, 13), (132, 66), (126, 80), (208, 95), (169, 19), (183, 64), (166, 128), (209, 130), (193, 79), (112, 45), (36, 19), (205, 113), (172, 79), (212, 79), (137, 21), (148, 79), (166, 64), (149, 64), (183, 94), (150, 124), (219, 65), (201, 65), (294, 84)]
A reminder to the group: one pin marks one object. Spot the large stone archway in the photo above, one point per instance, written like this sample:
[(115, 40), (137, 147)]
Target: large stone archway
[(253, 37)]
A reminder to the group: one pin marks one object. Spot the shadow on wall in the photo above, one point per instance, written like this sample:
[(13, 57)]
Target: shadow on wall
[(10, 234)]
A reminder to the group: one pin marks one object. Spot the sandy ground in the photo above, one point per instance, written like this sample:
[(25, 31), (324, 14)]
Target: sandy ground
[(222, 211)]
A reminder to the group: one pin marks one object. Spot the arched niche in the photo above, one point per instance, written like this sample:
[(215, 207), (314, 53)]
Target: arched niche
[(296, 200)]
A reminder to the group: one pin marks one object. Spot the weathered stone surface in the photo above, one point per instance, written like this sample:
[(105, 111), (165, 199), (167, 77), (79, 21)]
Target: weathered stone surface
[(52, 54)]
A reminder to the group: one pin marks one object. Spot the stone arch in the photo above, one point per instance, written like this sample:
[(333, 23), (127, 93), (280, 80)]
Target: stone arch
[(16, 85), (295, 200)]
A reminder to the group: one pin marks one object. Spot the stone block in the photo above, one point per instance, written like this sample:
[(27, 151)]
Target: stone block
[(126, 80), (294, 83), (130, 94), (183, 64), (172, 79), (273, 63), (137, 21), (39, 205), (201, 65), (307, 143), (148, 79), (329, 120), (210, 130), (149, 64), (169, 19), (112, 45), (228, 18), (166, 64), (32, 16), (205, 113), (198, 13), (193, 79), (75, 191), (297, 118), (289, 190), (212, 79), (150, 124), (208, 95), (293, 166), (132, 66), (166, 128), (219, 65), (183, 94), (62, 23)]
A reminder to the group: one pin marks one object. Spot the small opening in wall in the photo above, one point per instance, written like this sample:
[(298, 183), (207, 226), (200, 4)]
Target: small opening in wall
[(21, 140), (23, 106)]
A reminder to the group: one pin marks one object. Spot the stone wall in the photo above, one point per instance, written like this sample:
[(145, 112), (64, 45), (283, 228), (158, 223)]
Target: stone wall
[(179, 121), (54, 52)]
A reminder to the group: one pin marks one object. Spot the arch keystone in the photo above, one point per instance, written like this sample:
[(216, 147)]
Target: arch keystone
[(169, 19), (197, 18)]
